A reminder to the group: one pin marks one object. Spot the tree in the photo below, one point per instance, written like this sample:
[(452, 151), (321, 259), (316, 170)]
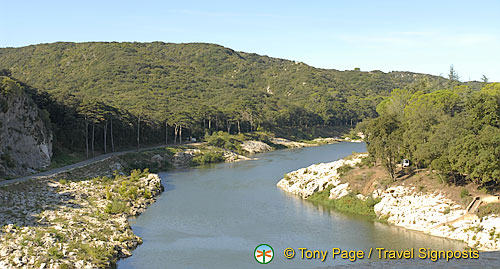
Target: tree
[(453, 77), (484, 166), (218, 88), (384, 142)]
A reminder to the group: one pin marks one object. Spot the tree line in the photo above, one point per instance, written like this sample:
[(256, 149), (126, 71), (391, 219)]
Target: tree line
[(455, 131), (103, 95)]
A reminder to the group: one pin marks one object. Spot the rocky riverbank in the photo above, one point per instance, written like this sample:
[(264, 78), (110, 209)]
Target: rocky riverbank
[(72, 224), (77, 218), (403, 206)]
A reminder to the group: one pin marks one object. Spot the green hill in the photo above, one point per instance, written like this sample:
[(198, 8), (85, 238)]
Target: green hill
[(196, 88)]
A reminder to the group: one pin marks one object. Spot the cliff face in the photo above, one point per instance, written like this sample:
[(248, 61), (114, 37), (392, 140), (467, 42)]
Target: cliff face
[(25, 136)]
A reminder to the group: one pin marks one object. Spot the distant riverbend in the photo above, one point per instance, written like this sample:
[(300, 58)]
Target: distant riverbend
[(214, 216)]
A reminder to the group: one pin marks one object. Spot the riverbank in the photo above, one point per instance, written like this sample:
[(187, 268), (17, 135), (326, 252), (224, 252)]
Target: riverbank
[(219, 147), (73, 224), (347, 186), (79, 217)]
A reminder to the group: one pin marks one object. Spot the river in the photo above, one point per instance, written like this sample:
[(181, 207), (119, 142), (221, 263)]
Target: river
[(214, 216)]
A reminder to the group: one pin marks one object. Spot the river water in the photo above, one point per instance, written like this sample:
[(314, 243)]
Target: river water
[(214, 217)]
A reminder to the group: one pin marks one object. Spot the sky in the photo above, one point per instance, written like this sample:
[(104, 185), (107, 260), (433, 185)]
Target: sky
[(418, 36)]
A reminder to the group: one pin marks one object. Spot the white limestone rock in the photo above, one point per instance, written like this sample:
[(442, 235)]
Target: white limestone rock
[(317, 177), (252, 146), (339, 191)]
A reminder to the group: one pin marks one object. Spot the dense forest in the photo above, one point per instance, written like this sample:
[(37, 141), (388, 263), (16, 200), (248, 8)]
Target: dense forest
[(102, 95), (455, 131)]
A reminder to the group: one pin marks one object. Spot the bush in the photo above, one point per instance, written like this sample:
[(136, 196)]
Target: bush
[(116, 207), (344, 169), (225, 140), (147, 194), (209, 157), (464, 193), (367, 161), (447, 211)]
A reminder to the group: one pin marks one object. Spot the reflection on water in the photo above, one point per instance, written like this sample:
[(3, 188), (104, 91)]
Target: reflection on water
[(215, 216)]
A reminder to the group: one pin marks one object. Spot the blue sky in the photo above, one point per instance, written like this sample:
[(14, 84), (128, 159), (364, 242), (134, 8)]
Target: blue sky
[(420, 36)]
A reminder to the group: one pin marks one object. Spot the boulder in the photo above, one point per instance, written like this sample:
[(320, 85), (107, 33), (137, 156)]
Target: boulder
[(339, 191), (252, 146)]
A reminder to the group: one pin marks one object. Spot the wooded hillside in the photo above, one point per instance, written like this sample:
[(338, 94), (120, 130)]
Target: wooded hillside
[(109, 94)]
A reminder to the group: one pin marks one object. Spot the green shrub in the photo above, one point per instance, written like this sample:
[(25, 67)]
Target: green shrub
[(136, 174), (349, 203), (225, 140), (464, 193), (132, 193), (209, 157), (447, 211), (95, 254), (147, 194), (344, 169), (54, 253), (116, 207)]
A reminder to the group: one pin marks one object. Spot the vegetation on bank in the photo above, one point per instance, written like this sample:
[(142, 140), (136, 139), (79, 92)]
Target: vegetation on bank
[(74, 223), (349, 203), (455, 131), (488, 209)]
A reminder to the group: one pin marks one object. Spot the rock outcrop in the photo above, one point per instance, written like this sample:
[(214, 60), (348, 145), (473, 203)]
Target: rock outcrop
[(252, 146), (437, 215), (185, 157), (290, 144), (317, 177), (25, 136), (431, 213)]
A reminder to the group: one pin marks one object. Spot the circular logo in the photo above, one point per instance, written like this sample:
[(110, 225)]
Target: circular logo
[(263, 253)]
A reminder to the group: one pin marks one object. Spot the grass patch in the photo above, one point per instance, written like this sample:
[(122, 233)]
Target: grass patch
[(54, 253), (488, 209), (62, 158), (349, 203)]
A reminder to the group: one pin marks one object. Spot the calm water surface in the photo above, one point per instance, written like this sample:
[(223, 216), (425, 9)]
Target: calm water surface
[(215, 216)]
